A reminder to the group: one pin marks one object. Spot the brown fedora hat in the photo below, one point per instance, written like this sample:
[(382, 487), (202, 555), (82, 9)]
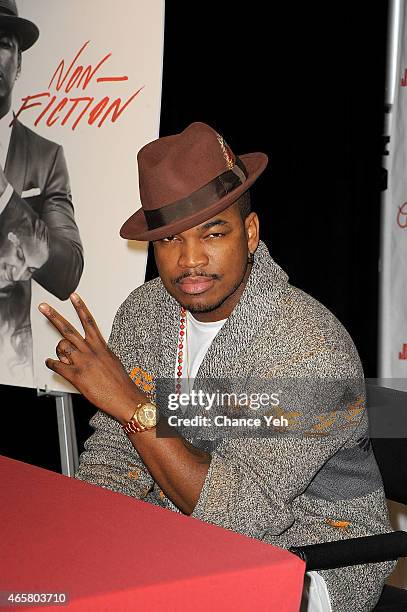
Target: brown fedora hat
[(186, 179), (26, 31)]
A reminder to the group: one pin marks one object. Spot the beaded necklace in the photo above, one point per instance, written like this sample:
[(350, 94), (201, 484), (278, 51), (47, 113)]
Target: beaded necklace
[(182, 343)]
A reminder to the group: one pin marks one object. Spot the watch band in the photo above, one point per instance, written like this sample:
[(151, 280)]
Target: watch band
[(134, 425)]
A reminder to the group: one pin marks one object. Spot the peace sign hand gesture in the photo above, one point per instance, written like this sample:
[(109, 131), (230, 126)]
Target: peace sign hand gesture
[(90, 366)]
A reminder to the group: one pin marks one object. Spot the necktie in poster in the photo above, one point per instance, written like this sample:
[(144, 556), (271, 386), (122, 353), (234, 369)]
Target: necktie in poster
[(77, 102)]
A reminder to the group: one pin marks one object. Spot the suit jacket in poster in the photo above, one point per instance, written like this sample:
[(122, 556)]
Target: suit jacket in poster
[(37, 171)]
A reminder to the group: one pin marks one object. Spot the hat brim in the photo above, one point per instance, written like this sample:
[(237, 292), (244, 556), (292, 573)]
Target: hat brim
[(26, 30), (136, 228)]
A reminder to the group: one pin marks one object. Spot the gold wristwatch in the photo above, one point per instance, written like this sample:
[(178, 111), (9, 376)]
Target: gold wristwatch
[(145, 418)]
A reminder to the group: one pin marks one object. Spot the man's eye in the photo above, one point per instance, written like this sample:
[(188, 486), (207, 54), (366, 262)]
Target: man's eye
[(168, 239), (6, 42), (215, 235)]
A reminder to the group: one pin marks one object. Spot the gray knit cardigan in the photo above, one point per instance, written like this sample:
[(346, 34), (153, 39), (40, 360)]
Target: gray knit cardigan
[(317, 481)]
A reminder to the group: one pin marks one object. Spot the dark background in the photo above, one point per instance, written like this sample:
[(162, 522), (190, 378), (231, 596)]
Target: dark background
[(304, 83)]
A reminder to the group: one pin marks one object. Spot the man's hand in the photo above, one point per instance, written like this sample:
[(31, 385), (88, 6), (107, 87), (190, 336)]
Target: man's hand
[(90, 366), (178, 468)]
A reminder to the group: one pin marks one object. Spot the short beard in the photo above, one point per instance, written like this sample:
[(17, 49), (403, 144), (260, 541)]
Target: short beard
[(201, 308)]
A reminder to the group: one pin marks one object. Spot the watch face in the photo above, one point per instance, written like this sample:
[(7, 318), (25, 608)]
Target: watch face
[(147, 415)]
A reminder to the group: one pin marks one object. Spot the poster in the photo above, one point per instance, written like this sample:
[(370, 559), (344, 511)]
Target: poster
[(91, 85), (393, 315)]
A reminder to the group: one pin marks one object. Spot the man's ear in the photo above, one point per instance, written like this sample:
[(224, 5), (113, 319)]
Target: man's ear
[(252, 231)]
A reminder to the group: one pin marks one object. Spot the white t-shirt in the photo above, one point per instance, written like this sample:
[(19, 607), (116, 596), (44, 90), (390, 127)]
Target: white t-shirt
[(199, 337)]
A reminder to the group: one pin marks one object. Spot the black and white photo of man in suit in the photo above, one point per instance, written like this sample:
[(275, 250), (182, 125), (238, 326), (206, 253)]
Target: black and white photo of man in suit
[(39, 238)]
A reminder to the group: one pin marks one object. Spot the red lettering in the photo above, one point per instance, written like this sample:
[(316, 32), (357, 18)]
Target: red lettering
[(25, 100), (111, 79), (50, 103), (74, 105), (89, 72), (117, 111), (402, 216), (59, 106), (81, 76), (76, 75), (83, 112), (403, 354), (99, 108), (61, 66)]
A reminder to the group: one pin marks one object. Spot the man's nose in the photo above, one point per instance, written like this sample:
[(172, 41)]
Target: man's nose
[(192, 255)]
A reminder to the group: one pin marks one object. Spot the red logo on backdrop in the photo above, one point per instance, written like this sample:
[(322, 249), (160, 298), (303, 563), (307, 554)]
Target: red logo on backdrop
[(403, 81), (403, 354), (402, 216), (58, 108)]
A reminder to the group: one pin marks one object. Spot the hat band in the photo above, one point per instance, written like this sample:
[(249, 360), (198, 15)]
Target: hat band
[(216, 189)]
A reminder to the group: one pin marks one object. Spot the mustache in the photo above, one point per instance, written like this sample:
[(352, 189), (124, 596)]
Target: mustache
[(188, 274)]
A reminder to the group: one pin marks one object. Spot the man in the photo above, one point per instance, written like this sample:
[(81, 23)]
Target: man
[(223, 311), (39, 238), (23, 251)]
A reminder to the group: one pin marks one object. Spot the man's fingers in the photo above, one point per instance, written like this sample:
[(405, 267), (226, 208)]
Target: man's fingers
[(65, 351), (64, 358), (60, 368), (62, 325), (88, 322)]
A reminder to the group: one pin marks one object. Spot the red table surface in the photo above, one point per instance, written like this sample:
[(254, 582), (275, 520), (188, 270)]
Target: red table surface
[(108, 551)]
